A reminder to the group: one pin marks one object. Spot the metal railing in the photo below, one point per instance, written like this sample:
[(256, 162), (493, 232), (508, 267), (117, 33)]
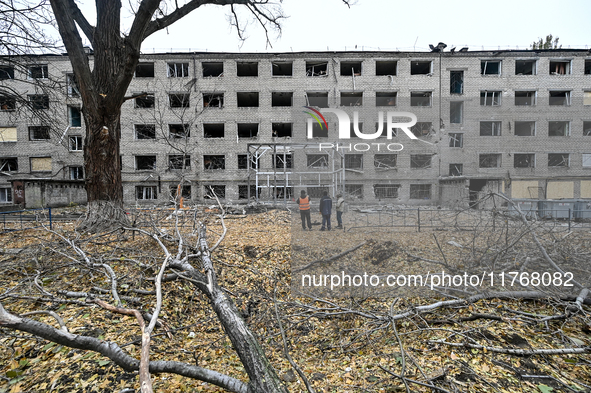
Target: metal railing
[(21, 220)]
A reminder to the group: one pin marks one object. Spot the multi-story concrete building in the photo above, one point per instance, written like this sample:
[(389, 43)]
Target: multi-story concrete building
[(514, 121)]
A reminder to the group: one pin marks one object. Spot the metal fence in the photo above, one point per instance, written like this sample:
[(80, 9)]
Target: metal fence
[(468, 219), (25, 219)]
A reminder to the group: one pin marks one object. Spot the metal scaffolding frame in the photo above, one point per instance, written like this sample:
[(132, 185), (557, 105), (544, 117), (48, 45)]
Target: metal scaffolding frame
[(283, 173)]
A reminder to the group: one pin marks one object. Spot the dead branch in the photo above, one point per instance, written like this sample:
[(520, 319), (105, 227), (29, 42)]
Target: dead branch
[(414, 381), (519, 352), (59, 319), (337, 256)]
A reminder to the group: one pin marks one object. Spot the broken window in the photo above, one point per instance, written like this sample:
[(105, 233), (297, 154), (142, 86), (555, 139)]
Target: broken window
[(145, 131), (422, 128), (214, 190), (76, 173), (247, 99), (243, 161), (489, 160), (351, 99), (9, 164), (145, 101), (386, 191), (177, 131), (145, 163), (39, 101), (490, 128), (72, 85), (456, 82), (420, 67), (40, 164), (178, 70), (7, 134), (281, 161), (247, 68), (420, 191), (248, 130), (38, 133), (213, 130), (214, 162), (387, 98), (559, 67), (282, 68), (525, 98), (354, 161), (490, 98), (523, 160), (561, 98), (525, 128), (243, 191), (386, 67), (75, 116), (420, 161), (316, 68), (317, 192), (587, 128), (352, 133), (456, 169), (354, 191), (558, 159), (385, 161), (282, 130), (456, 109), (6, 72), (490, 67), (384, 133), (456, 139), (281, 98), (75, 143), (587, 68), (318, 131), (5, 195), (179, 161), (420, 98), (39, 72), (212, 69), (185, 191), (144, 70), (586, 160), (213, 100), (349, 68), (282, 192), (7, 103), (558, 128), (317, 160), (146, 192), (525, 67), (178, 100), (317, 99)]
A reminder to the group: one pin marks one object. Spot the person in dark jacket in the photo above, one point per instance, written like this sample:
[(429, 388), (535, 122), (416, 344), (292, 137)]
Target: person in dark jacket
[(304, 203), (325, 210)]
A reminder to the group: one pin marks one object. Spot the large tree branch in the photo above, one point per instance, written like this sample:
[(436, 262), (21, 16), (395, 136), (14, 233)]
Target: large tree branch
[(116, 354), (80, 19)]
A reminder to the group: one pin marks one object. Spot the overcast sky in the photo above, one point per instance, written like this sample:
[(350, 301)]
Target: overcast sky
[(387, 25)]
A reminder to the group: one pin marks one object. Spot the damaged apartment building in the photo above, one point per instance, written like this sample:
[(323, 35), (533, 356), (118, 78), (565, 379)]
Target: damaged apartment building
[(234, 125)]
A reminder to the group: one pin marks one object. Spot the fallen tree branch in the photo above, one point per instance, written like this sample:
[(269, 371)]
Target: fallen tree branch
[(116, 354), (337, 256), (519, 352), (59, 319)]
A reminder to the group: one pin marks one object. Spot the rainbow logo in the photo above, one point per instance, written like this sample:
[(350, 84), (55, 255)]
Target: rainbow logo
[(315, 114)]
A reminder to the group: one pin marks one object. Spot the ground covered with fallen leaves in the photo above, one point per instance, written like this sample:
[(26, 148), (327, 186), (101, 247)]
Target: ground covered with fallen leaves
[(342, 344)]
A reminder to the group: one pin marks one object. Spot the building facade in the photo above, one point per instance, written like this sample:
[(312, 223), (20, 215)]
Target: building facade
[(236, 125)]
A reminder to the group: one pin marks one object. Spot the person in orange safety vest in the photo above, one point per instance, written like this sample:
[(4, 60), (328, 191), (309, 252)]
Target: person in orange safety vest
[(304, 202)]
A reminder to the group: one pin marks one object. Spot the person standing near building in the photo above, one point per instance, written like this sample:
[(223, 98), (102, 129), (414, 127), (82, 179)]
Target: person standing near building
[(304, 203), (340, 209), (325, 210)]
